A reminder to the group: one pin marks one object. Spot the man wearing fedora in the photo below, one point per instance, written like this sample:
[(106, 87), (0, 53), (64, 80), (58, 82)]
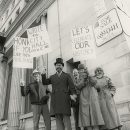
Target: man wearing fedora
[(38, 98), (62, 90)]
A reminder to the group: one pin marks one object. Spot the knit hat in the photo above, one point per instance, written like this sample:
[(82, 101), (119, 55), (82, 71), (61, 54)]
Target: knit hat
[(81, 66)]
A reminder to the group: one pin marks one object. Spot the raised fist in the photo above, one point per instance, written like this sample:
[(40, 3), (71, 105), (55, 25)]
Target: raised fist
[(42, 69), (22, 83)]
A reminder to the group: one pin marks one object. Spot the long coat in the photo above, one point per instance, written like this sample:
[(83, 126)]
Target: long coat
[(62, 87), (89, 109), (106, 92)]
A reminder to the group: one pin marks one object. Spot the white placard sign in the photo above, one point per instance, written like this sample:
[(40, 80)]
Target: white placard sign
[(22, 53), (107, 27), (39, 39), (83, 43)]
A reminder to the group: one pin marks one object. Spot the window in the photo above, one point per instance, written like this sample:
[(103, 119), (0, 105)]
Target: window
[(10, 22), (1, 20), (26, 1), (6, 14), (3, 30), (18, 11), (13, 4), (8, 92)]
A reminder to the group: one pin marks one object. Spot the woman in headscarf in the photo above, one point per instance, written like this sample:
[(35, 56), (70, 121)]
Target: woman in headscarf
[(90, 116), (106, 91)]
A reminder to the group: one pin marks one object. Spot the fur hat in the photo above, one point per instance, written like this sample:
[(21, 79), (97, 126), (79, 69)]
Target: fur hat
[(81, 66), (59, 61)]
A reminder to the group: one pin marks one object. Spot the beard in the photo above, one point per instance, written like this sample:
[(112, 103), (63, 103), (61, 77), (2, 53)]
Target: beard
[(100, 75), (58, 69)]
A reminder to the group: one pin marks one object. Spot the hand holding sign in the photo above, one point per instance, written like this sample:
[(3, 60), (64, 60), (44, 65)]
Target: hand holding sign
[(22, 83), (42, 69)]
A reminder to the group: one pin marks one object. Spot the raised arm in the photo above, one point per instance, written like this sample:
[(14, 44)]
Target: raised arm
[(45, 81), (25, 90)]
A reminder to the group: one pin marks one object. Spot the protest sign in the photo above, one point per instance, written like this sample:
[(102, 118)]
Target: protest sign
[(22, 53), (107, 27), (83, 43), (39, 40)]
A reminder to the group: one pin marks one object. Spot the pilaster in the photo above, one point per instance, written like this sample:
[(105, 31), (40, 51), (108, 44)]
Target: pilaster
[(3, 67), (15, 100)]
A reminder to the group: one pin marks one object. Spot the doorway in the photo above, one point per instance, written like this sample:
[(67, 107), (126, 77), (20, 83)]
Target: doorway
[(71, 65)]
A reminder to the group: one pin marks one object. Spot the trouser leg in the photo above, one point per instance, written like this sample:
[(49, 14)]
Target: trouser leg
[(96, 128), (76, 117), (36, 116), (85, 128), (46, 116), (67, 122), (59, 122)]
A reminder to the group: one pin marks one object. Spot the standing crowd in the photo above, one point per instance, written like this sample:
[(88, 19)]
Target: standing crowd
[(90, 97)]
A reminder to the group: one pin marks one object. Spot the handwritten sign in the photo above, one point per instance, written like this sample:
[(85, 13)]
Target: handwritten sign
[(83, 43), (22, 53), (39, 40), (107, 27)]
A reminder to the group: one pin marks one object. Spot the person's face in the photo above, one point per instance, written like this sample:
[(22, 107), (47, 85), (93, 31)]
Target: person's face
[(75, 73), (99, 73), (83, 73), (59, 67), (36, 76)]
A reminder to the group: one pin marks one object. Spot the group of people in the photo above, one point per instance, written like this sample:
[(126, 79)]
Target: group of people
[(96, 109), (91, 98)]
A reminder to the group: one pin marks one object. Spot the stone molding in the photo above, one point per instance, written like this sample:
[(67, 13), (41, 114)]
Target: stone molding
[(35, 4)]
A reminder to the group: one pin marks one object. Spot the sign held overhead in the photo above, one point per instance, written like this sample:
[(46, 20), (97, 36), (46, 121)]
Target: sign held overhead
[(83, 43)]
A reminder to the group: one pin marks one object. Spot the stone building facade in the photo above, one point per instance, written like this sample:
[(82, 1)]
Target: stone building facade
[(60, 16)]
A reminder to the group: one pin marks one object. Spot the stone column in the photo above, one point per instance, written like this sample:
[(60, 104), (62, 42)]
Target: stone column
[(3, 68), (23, 77), (15, 100)]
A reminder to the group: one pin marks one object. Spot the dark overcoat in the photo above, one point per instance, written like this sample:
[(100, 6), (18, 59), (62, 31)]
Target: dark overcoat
[(62, 87)]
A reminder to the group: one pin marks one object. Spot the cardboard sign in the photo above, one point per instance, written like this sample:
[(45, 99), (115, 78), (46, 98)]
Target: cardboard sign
[(83, 43), (22, 53), (107, 28), (39, 40)]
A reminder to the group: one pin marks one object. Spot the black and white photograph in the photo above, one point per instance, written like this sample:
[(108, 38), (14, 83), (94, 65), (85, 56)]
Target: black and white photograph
[(64, 64)]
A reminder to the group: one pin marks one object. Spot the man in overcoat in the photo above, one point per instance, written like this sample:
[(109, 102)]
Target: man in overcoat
[(62, 90), (38, 97)]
